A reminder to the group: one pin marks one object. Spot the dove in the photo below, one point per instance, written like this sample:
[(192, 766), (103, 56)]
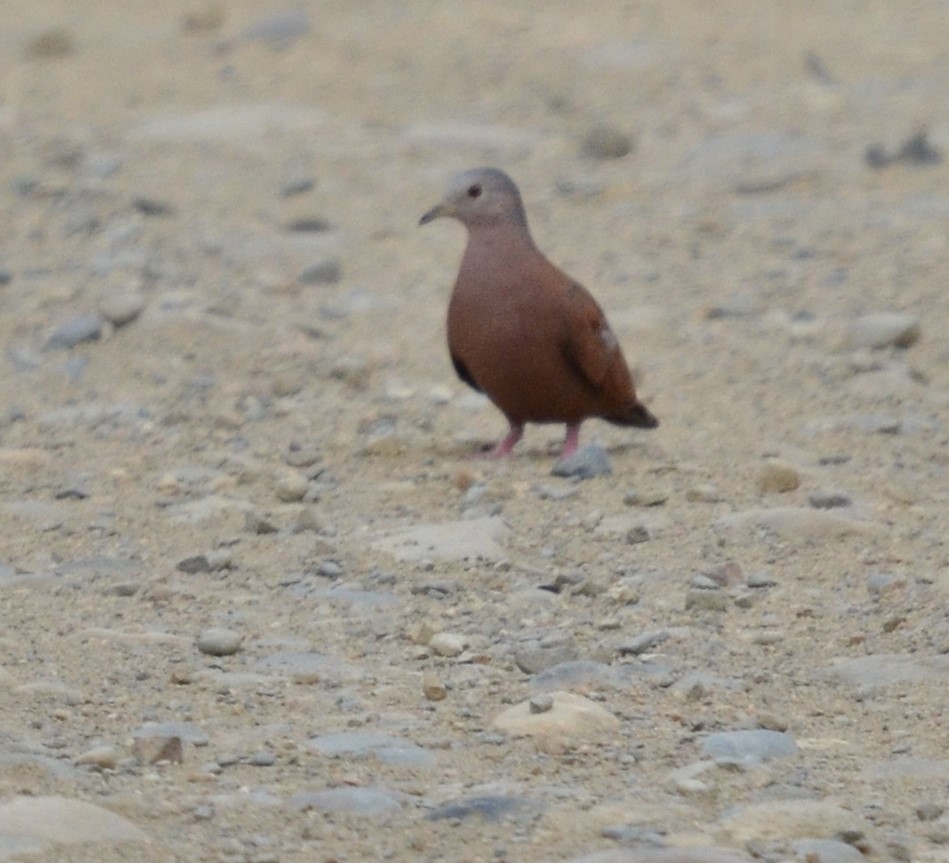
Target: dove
[(522, 331)]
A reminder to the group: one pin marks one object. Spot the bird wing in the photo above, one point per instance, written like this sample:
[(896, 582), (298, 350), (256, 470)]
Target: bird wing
[(589, 347), (462, 371)]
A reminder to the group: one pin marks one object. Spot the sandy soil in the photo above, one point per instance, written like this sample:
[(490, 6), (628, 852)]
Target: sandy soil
[(244, 185)]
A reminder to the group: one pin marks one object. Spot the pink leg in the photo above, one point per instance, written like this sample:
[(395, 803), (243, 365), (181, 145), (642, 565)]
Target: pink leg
[(506, 445), (572, 440)]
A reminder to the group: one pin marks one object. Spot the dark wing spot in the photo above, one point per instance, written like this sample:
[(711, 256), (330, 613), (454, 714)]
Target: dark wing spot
[(463, 373)]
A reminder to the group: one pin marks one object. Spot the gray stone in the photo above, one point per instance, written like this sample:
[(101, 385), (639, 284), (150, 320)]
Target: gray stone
[(326, 272), (828, 499), (825, 851), (307, 667), (580, 674), (884, 669), (603, 141), (494, 807), (754, 161), (385, 747), (587, 462), (541, 703), (33, 825), (536, 657), (556, 492), (637, 533), (643, 643), (447, 643), (704, 599), (704, 582), (929, 811), (884, 329), (75, 331), (801, 523), (760, 579), (352, 801), (280, 29), (264, 758), (908, 767), (121, 307), (779, 820), (778, 476), (219, 641), (100, 757), (466, 539), (751, 745), (705, 493), (571, 718), (663, 855)]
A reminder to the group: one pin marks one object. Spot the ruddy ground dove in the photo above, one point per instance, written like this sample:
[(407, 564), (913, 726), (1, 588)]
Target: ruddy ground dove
[(520, 330)]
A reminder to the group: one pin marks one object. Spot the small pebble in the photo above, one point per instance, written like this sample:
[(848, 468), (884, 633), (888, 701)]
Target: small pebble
[(929, 811), (432, 688), (642, 643), (778, 476), (636, 497), (260, 523), (329, 569), (705, 493), (219, 559), (752, 745), (884, 329), (447, 644), (102, 757), (770, 722), (556, 492), (326, 272), (280, 29), (219, 641), (606, 142), (699, 599), (828, 499), (760, 579), (75, 331), (704, 582), (54, 42), (213, 561), (309, 225), (637, 534), (587, 462), (297, 185), (292, 488), (203, 19), (541, 703), (152, 206), (308, 520), (194, 564), (121, 307), (262, 759)]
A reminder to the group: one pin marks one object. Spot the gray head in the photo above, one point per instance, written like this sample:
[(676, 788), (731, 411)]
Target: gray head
[(480, 197)]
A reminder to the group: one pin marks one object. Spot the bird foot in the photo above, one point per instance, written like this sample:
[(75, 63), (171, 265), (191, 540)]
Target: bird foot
[(505, 446), (571, 441)]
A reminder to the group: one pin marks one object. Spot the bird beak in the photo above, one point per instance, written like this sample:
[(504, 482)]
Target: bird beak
[(434, 213)]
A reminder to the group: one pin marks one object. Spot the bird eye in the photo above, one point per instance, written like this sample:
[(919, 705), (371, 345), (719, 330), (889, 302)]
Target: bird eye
[(474, 191)]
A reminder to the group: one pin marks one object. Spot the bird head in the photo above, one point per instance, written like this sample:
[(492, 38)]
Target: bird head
[(480, 197)]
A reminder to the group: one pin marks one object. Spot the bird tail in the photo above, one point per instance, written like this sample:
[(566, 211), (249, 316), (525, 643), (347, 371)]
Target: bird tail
[(637, 415)]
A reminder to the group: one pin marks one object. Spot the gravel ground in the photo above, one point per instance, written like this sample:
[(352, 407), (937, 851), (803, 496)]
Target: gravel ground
[(260, 604)]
